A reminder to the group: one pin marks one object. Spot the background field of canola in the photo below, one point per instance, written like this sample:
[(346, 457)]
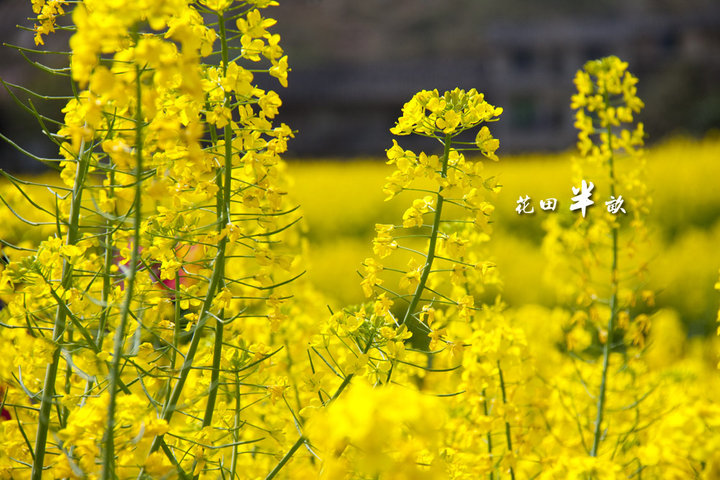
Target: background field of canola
[(684, 219)]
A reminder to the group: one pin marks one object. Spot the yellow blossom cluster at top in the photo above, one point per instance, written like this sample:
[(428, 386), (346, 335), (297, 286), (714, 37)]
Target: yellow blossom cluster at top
[(46, 11), (451, 176), (428, 113), (607, 92)]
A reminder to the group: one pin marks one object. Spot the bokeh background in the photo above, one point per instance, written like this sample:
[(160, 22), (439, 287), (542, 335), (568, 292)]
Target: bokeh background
[(355, 63)]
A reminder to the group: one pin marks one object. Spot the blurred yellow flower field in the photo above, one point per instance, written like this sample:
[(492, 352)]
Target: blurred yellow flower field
[(341, 201)]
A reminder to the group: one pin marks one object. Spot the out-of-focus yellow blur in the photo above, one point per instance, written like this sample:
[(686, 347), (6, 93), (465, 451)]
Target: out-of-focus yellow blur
[(342, 201)]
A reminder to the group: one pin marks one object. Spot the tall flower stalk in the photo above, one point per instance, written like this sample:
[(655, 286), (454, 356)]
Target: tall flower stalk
[(164, 232), (60, 322), (607, 321), (369, 342)]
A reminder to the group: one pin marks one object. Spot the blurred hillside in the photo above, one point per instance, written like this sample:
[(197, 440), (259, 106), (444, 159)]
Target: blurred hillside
[(355, 63)]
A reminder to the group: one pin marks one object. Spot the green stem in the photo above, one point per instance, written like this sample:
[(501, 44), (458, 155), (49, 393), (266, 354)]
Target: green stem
[(68, 377), (508, 437), (433, 238), (597, 434), (215, 374), (298, 443), (216, 279), (223, 214), (236, 428), (107, 269), (488, 435), (177, 330), (108, 470), (60, 317)]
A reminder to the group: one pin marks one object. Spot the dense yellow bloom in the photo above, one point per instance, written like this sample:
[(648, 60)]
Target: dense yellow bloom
[(428, 113), (46, 11), (384, 242), (217, 5), (345, 435), (178, 236)]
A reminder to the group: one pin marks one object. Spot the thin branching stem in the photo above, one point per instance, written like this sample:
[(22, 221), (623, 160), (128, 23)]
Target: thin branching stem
[(301, 440), (236, 428), (433, 238), (223, 214), (508, 436), (108, 470), (59, 327), (488, 435), (598, 433)]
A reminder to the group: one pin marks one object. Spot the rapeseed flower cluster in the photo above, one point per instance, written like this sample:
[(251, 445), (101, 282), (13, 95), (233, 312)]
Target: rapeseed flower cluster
[(167, 252), (610, 309), (605, 400), (596, 261), (422, 327)]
